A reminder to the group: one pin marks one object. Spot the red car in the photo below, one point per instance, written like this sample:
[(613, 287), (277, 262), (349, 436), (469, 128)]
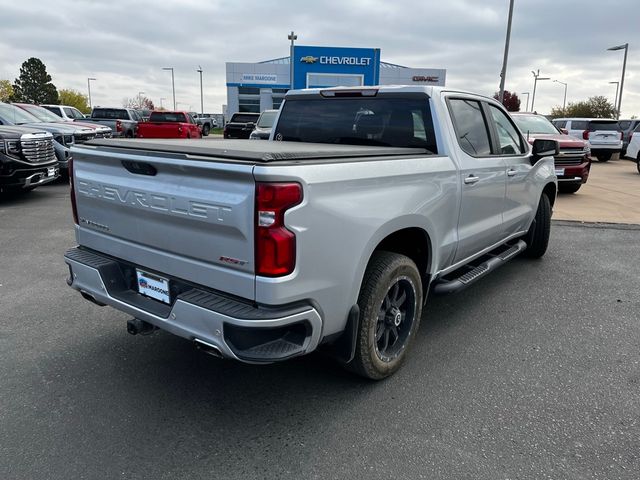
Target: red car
[(169, 125), (574, 161)]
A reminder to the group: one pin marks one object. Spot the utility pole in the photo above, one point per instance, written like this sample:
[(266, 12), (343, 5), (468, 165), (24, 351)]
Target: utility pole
[(89, 89), (201, 95), (527, 94), (503, 73), (173, 85), (564, 103), (293, 37), (624, 47)]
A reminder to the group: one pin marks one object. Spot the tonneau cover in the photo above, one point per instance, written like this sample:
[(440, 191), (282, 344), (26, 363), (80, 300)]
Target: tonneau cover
[(254, 150)]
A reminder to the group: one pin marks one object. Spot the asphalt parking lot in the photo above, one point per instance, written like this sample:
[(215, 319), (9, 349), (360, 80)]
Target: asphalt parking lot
[(532, 373)]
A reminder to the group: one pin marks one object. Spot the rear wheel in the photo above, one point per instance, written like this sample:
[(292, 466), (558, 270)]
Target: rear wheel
[(569, 188), (390, 304), (205, 130), (129, 134), (638, 162), (604, 157), (537, 238)]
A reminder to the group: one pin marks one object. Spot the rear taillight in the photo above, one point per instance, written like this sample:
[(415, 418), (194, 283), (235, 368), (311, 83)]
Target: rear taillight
[(585, 134), (118, 126), (72, 193), (275, 245), (622, 136)]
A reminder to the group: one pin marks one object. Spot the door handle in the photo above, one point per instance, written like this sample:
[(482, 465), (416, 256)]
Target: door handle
[(471, 179), (511, 172)]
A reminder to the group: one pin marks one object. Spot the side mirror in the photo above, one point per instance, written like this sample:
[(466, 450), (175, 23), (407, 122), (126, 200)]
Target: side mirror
[(564, 131), (544, 148)]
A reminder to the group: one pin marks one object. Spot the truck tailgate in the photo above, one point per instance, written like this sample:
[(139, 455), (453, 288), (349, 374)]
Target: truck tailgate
[(161, 130), (172, 214)]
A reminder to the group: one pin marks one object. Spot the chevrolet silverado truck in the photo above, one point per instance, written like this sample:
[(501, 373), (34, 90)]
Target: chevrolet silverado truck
[(241, 125), (205, 121), (123, 122), (329, 237), (169, 125), (27, 159)]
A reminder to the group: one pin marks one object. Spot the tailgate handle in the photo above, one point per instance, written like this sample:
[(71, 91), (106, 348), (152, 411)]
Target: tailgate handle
[(139, 168)]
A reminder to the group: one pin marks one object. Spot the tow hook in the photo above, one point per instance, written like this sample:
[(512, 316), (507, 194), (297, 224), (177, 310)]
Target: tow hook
[(136, 326)]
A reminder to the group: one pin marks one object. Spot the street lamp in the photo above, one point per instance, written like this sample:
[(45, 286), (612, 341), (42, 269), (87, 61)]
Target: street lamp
[(140, 99), (503, 72), (201, 96), (293, 37), (89, 88), (173, 85), (624, 47), (161, 99), (615, 100), (564, 103), (527, 94), (536, 77)]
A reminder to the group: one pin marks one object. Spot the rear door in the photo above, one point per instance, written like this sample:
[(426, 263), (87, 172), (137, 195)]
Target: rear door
[(175, 215), (482, 177), (604, 133)]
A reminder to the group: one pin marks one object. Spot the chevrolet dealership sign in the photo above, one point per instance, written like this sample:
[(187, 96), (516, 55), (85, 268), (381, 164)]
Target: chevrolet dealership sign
[(327, 60), (259, 78)]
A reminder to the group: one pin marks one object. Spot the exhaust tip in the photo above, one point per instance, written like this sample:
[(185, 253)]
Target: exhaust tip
[(208, 348)]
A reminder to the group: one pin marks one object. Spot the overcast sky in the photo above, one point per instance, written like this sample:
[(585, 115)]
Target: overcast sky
[(124, 44)]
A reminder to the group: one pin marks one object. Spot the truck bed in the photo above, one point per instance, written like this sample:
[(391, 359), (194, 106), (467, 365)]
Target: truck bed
[(256, 152)]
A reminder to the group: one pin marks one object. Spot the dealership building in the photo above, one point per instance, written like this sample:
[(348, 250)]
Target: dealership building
[(254, 87)]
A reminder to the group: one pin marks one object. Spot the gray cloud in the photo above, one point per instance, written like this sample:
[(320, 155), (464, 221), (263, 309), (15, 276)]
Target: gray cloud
[(125, 44)]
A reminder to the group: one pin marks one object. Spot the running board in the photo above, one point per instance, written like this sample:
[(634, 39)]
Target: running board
[(490, 263)]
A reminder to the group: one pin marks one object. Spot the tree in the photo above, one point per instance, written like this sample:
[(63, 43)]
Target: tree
[(74, 98), (34, 84), (510, 101), (138, 102), (594, 107), (6, 90)]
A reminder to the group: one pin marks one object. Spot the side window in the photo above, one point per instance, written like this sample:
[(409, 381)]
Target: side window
[(508, 136), (560, 123), (578, 125), (470, 126), (418, 126), (69, 113)]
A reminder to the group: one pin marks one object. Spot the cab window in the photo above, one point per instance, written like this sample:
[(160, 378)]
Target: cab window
[(509, 140), (471, 127)]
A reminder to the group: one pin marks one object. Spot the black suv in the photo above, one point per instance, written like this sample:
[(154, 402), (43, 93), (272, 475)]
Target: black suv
[(241, 125)]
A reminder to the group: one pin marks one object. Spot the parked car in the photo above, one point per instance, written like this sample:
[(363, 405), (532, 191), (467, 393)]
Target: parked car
[(82, 134), (163, 124), (633, 151), (65, 112), (63, 133), (603, 134), (573, 161), (205, 121), (263, 251), (27, 159), (144, 113), (263, 125), (241, 125), (123, 122), (627, 126)]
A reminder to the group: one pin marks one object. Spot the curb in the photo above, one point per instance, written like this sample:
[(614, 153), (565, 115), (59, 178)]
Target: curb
[(602, 225)]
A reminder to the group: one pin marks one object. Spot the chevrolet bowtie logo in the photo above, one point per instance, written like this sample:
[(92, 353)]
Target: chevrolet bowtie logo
[(309, 59)]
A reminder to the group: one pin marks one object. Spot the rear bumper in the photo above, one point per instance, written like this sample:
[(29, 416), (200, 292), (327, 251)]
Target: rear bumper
[(239, 330)]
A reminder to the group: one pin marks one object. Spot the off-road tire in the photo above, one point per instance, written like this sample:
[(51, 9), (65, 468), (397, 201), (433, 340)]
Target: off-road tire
[(568, 188), (205, 130), (604, 157), (385, 270), (537, 238)]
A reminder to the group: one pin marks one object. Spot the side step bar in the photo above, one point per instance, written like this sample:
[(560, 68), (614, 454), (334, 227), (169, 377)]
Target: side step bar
[(473, 273)]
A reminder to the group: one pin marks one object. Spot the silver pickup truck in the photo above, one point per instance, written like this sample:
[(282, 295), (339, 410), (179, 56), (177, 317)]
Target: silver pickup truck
[(329, 236)]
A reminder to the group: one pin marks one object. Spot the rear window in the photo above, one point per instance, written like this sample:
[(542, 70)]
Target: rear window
[(167, 117), (624, 124), (244, 118), (267, 119), (600, 125), (110, 113), (395, 122)]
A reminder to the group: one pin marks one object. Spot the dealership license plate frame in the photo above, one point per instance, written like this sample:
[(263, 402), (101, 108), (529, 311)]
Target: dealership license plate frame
[(559, 172), (153, 286)]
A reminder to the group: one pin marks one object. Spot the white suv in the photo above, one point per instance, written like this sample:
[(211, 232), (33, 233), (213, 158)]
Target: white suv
[(603, 134), (633, 150), (66, 113)]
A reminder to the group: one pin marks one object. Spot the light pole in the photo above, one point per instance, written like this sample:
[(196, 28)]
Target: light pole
[(503, 72), (201, 96), (161, 99), (293, 37), (536, 77), (624, 47), (564, 102), (140, 99), (527, 94), (615, 100), (173, 85), (89, 89)]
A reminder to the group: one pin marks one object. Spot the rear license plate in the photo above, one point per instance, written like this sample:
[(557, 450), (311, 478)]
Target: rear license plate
[(153, 286), (559, 172)]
